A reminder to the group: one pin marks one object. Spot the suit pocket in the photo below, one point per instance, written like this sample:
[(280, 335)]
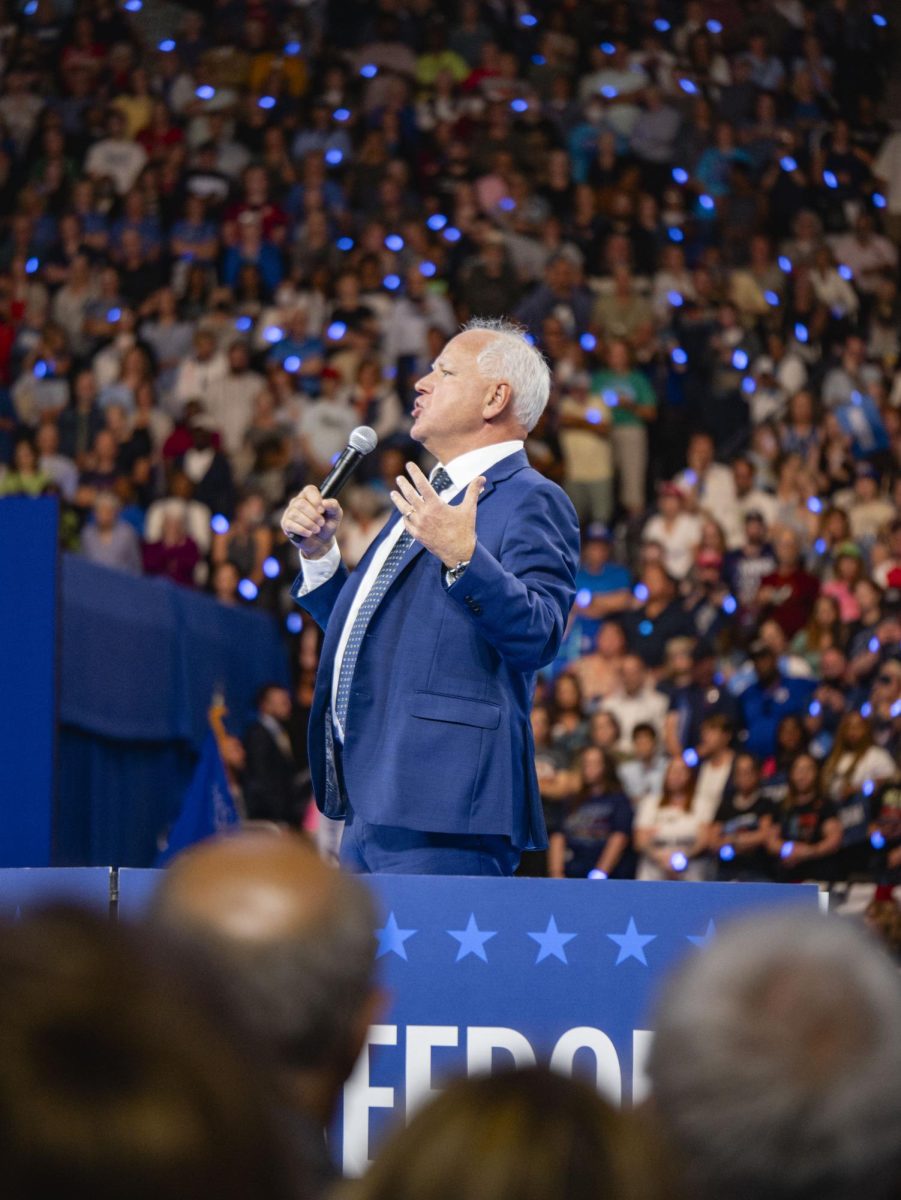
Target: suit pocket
[(458, 710)]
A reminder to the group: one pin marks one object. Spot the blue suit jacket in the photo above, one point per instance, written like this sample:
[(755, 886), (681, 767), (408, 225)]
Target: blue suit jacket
[(438, 735)]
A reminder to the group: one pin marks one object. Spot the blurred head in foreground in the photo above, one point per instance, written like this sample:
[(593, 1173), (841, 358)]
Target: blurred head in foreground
[(294, 942), (117, 1078), (517, 1135), (776, 1066)]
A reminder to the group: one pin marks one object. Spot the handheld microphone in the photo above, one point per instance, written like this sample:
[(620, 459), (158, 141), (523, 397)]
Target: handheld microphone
[(361, 442)]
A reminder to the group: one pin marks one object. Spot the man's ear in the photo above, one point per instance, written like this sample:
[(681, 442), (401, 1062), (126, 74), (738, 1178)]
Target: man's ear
[(497, 400)]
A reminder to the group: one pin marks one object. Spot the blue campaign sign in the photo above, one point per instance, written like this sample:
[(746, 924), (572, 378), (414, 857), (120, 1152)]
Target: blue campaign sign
[(22, 888), (484, 973)]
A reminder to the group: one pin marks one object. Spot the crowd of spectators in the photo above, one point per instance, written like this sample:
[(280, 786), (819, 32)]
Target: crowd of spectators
[(230, 233)]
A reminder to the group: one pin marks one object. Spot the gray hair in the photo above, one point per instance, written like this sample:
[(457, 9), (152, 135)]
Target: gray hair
[(776, 1067), (300, 996), (509, 358)]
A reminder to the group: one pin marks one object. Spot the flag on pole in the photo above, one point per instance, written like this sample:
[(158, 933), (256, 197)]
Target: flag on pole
[(208, 806)]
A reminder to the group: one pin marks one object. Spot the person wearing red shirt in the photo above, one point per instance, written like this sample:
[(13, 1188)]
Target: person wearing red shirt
[(787, 594)]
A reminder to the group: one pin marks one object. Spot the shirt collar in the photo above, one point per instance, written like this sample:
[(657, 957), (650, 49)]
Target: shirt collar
[(466, 467)]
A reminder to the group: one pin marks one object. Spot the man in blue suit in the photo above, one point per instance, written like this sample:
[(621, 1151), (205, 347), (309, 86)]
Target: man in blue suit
[(419, 733)]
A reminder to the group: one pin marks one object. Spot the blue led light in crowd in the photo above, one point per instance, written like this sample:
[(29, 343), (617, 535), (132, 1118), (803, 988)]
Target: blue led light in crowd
[(588, 342), (391, 282), (662, 25), (39, 370), (785, 264), (640, 592), (788, 848), (727, 853), (690, 757), (877, 840), (266, 102), (611, 399), (32, 265), (292, 363), (820, 546), (219, 523), (538, 60), (394, 242), (113, 315), (345, 243), (814, 504), (874, 645), (336, 331), (714, 26), (205, 92), (879, 20), (597, 873), (436, 222), (341, 114), (133, 5), (593, 416), (866, 709), (749, 385), (678, 861), (868, 787), (739, 359), (271, 568), (706, 202), (583, 598), (506, 204), (690, 88), (608, 48), (369, 71), (273, 334), (879, 200), (527, 337), (427, 269), (248, 589), (294, 622), (609, 92), (829, 179), (895, 710), (334, 157), (730, 604), (646, 627), (801, 332), (856, 398), (772, 298), (680, 175), (787, 163), (679, 357), (675, 299), (166, 46), (243, 324), (845, 271), (528, 19), (292, 49), (675, 234), (30, 8), (815, 708), (452, 234)]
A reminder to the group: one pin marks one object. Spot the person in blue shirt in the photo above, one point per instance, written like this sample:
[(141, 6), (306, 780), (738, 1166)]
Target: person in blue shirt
[(596, 832), (765, 702), (603, 587)]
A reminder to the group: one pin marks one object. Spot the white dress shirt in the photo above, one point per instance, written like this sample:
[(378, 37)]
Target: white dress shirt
[(317, 571)]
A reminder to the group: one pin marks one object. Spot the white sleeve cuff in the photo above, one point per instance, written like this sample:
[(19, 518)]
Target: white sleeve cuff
[(317, 571)]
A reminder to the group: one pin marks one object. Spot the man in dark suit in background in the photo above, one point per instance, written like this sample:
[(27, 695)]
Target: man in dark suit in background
[(270, 777), (419, 732)]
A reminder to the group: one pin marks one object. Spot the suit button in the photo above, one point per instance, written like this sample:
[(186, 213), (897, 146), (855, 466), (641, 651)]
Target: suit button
[(467, 599), (476, 608)]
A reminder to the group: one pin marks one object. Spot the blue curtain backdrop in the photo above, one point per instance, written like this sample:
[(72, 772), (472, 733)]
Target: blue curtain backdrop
[(140, 660)]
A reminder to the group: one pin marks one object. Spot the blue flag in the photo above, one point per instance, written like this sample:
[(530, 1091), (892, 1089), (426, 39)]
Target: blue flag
[(208, 806)]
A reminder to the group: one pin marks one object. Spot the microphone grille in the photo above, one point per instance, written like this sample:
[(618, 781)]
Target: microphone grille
[(363, 439)]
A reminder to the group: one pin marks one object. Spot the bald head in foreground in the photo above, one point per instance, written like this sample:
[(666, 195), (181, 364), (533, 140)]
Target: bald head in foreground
[(294, 945), (776, 1066)]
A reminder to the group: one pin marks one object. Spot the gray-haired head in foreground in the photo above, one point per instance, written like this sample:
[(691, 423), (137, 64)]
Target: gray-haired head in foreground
[(509, 358), (776, 1066)]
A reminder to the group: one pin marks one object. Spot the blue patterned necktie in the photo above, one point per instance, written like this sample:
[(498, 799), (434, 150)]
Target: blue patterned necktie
[(440, 481)]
